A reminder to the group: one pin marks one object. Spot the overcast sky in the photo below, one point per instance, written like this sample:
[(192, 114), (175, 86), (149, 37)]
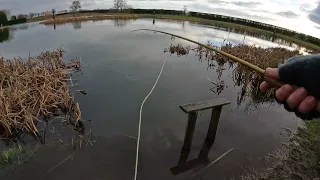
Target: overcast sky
[(299, 15)]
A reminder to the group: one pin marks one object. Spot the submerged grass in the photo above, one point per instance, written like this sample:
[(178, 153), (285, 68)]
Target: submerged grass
[(242, 76), (32, 91), (300, 157), (15, 156)]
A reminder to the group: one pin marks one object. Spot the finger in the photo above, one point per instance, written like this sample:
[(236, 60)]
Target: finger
[(284, 92), (272, 73), (297, 97), (307, 104), (264, 86)]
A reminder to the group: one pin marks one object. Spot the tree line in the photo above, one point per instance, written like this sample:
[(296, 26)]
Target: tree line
[(13, 20)]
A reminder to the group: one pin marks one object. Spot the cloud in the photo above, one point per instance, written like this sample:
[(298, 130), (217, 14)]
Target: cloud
[(228, 12), (27, 6), (288, 14), (247, 4), (315, 14), (305, 8)]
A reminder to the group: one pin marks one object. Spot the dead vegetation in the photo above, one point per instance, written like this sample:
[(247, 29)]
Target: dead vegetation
[(89, 18), (33, 90), (243, 77)]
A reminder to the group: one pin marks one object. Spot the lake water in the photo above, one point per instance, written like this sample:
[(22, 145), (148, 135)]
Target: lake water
[(119, 69)]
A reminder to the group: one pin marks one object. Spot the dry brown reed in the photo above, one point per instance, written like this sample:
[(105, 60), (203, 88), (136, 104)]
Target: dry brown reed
[(89, 18), (34, 89), (242, 76)]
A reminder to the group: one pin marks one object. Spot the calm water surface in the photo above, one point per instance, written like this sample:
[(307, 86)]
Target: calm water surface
[(119, 70)]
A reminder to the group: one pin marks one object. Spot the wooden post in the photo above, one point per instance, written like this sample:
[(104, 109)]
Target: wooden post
[(192, 110), (212, 131), (192, 118)]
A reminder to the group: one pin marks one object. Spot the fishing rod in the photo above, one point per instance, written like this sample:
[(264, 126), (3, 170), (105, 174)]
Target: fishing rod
[(241, 61)]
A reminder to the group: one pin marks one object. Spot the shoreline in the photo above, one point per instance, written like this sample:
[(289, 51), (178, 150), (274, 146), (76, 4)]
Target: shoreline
[(88, 18), (68, 18), (296, 159)]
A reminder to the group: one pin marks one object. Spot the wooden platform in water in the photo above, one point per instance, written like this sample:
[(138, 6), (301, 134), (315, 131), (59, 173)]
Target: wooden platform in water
[(202, 105)]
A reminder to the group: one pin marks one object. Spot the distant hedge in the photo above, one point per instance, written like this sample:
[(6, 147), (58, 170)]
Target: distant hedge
[(136, 11), (17, 21)]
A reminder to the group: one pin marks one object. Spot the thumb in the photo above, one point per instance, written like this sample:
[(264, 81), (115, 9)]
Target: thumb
[(272, 73)]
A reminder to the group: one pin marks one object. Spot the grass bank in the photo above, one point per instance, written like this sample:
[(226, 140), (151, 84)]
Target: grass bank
[(299, 158)]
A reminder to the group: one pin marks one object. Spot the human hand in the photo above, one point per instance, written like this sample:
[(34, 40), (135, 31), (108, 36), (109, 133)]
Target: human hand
[(295, 100)]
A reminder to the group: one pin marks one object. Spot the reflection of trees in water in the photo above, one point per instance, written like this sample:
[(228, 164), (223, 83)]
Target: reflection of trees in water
[(271, 38), (120, 22), (19, 27), (246, 79), (4, 34), (76, 25)]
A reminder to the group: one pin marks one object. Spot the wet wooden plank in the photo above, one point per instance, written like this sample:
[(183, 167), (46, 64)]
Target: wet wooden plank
[(202, 105)]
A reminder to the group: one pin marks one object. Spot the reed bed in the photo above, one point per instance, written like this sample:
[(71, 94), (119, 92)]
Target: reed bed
[(33, 90), (243, 77), (89, 18)]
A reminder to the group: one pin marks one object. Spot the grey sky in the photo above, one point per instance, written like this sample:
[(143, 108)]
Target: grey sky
[(300, 15)]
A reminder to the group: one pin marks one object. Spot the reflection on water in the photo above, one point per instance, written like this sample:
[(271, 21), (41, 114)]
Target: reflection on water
[(4, 34), (121, 22), (271, 38), (202, 158), (7, 34), (241, 76), (124, 22), (19, 27), (76, 25)]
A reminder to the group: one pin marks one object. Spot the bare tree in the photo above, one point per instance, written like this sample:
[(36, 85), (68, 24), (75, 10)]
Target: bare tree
[(75, 6), (120, 5), (53, 11), (31, 15), (6, 11), (184, 10)]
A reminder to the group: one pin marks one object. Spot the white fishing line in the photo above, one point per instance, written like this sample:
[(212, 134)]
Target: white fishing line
[(140, 118)]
